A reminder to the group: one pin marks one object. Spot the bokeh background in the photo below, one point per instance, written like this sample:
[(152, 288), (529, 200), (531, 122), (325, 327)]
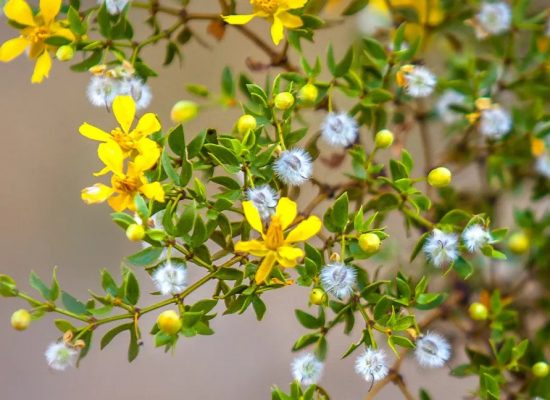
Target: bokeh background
[(45, 163)]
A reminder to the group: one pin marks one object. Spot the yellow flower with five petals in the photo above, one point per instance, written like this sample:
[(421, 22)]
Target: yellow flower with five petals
[(124, 185), (276, 12), (274, 246), (35, 30), (132, 142)]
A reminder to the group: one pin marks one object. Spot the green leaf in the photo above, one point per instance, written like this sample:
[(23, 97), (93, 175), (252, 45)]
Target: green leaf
[(110, 335), (75, 23), (259, 307), (131, 288), (340, 211), (229, 274), (8, 286), (307, 320), (428, 301), (222, 154), (39, 285), (355, 6), (72, 304), (145, 257), (375, 49)]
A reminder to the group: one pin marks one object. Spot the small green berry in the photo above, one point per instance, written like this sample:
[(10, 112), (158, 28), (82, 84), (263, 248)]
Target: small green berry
[(284, 100)]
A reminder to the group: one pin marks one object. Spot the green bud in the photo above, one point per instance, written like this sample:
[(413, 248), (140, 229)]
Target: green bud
[(246, 123), (478, 312), (184, 111), (308, 93), (439, 177), (65, 53), (284, 100), (369, 242), (383, 139), (540, 369)]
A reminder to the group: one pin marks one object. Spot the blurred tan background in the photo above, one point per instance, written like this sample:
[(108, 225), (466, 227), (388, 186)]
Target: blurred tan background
[(45, 164)]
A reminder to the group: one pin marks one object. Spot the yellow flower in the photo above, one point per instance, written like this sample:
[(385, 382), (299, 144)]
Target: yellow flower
[(125, 186), (274, 247), (132, 142), (276, 12), (36, 29)]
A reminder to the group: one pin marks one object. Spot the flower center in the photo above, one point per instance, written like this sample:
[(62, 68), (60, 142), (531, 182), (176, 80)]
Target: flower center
[(37, 34), (274, 236), (267, 6), (124, 140), (126, 184)]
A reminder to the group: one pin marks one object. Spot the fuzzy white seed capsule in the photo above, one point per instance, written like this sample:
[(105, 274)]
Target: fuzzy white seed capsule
[(338, 279), (419, 81), (448, 99), (170, 278), (542, 165), (339, 130), (307, 369), (371, 365), (293, 167), (60, 356), (493, 19), (441, 248), (475, 237), (264, 199), (102, 90), (114, 7), (432, 350), (495, 122), (139, 90)]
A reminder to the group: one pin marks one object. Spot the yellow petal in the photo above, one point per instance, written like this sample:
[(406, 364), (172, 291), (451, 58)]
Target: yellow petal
[(124, 109), (286, 211), (91, 132), (288, 256), (252, 215), (153, 191), (238, 19), (122, 202), (277, 31), (255, 247), (112, 156), (96, 194), (304, 230), (147, 125), (13, 48), (49, 9), (20, 12), (149, 153), (42, 67), (103, 171), (265, 267), (289, 20), (295, 3)]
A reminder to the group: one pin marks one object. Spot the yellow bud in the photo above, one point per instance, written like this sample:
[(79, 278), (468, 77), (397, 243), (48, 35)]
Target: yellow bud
[(135, 232), (518, 242), (369, 242), (246, 123), (537, 147), (383, 139), (439, 177), (20, 320), (184, 111), (169, 322), (65, 53), (317, 296), (308, 93), (284, 100), (540, 369), (335, 257), (478, 312)]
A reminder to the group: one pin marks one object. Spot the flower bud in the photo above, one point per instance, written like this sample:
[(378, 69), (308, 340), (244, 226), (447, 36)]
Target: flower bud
[(518, 242), (284, 100), (308, 93), (439, 177), (65, 53), (317, 296), (246, 123), (135, 232), (169, 322), (184, 111), (20, 320), (369, 242), (540, 369), (478, 312), (383, 139)]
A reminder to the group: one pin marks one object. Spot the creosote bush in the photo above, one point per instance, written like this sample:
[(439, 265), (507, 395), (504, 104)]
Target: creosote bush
[(467, 80)]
